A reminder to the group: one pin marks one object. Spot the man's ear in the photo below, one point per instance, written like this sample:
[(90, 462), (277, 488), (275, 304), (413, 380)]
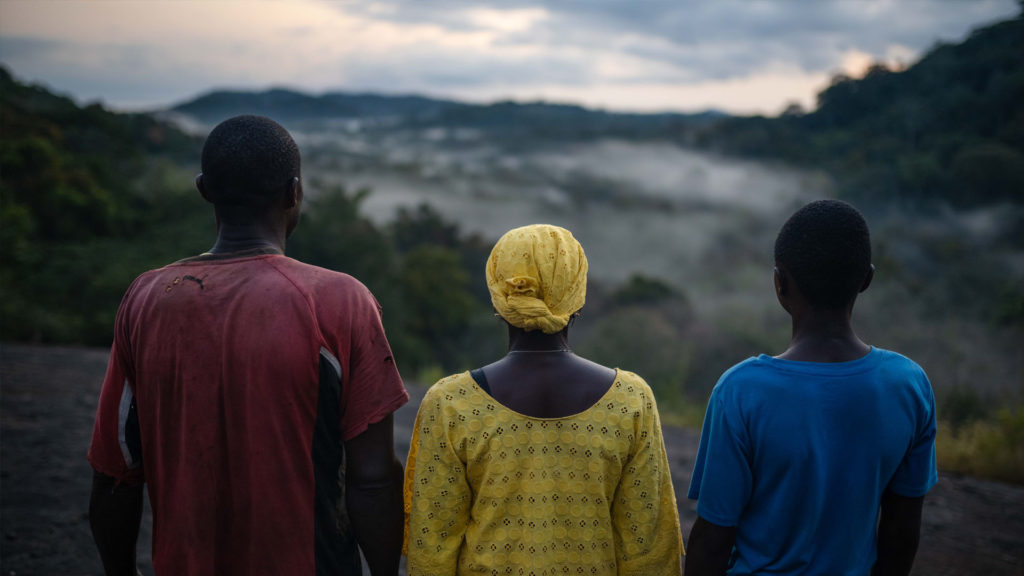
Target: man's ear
[(294, 193), (202, 187), (868, 279)]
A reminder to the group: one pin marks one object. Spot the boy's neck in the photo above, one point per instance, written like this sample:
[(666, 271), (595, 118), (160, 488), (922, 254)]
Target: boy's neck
[(824, 336)]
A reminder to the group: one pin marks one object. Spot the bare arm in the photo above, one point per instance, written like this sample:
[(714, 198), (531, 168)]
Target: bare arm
[(373, 494), (115, 512), (709, 548), (899, 532)]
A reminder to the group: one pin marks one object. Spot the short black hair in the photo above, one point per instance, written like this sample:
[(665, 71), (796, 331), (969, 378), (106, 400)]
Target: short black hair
[(826, 247), (247, 160)]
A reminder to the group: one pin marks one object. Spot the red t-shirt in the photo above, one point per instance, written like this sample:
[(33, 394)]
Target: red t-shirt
[(233, 383)]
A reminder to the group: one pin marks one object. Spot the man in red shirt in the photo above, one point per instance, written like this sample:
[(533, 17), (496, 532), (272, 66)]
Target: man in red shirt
[(251, 392)]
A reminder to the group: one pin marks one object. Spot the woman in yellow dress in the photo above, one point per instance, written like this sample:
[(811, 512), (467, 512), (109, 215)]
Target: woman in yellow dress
[(542, 463)]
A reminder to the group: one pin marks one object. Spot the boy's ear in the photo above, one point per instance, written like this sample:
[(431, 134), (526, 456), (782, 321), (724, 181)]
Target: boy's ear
[(202, 187), (783, 289), (781, 282), (868, 279)]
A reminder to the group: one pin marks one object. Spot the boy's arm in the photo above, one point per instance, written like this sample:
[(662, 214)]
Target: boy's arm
[(373, 494), (899, 528), (722, 483), (115, 512), (899, 532), (709, 548)]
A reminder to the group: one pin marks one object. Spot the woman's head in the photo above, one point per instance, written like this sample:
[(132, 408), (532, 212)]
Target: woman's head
[(537, 276)]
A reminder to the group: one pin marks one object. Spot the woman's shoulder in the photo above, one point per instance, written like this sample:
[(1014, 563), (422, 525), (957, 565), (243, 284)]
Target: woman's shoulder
[(633, 379), (452, 381), (452, 387), (635, 391)]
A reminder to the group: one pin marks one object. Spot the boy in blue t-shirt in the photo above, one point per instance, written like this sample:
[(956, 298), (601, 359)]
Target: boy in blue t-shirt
[(815, 461)]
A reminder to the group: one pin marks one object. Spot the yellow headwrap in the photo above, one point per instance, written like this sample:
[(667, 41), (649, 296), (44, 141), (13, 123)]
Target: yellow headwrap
[(537, 276)]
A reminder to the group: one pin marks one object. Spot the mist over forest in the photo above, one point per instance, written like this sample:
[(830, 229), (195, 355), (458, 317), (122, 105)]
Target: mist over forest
[(677, 214)]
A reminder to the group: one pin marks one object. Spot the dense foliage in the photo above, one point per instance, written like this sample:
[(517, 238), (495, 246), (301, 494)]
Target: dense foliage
[(950, 127), (82, 190)]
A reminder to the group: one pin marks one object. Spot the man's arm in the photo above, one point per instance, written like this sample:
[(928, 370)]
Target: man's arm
[(899, 532), (115, 512), (709, 548), (373, 494)]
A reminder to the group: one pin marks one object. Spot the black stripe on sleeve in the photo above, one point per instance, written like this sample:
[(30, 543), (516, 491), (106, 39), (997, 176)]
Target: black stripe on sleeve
[(336, 550)]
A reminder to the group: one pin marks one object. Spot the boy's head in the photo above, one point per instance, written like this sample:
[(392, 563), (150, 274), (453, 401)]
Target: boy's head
[(826, 248), (248, 161)]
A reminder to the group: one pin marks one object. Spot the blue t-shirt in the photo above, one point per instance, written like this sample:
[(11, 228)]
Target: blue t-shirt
[(797, 455)]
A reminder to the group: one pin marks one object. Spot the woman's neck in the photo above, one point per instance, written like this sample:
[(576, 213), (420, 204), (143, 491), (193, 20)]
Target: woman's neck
[(535, 341)]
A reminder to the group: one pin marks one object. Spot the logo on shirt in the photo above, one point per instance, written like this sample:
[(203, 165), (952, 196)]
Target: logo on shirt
[(189, 277)]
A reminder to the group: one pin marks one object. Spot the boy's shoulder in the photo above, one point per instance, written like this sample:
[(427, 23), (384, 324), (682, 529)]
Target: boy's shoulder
[(756, 372), (899, 370), (894, 359), (740, 374)]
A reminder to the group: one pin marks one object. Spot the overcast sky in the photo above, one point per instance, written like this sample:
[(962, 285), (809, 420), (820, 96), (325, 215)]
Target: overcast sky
[(644, 55)]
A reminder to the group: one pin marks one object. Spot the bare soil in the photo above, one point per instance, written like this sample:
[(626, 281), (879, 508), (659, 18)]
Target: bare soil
[(48, 400)]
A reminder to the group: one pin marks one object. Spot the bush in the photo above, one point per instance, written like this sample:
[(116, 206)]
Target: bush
[(960, 406), (991, 449), (642, 340)]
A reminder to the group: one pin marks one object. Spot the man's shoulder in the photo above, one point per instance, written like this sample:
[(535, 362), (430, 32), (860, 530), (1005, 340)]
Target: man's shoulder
[(321, 286), (147, 278), (316, 275), (296, 271)]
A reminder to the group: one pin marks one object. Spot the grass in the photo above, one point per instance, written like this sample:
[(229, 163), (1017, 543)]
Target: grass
[(992, 449)]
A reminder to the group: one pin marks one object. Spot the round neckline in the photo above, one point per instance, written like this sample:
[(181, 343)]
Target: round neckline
[(821, 367), (210, 257), (600, 401)]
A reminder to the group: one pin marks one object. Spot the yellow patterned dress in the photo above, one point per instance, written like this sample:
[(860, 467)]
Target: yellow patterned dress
[(491, 491)]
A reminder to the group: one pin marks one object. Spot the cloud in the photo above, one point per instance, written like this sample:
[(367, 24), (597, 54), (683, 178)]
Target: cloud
[(729, 38), (633, 45), (652, 54)]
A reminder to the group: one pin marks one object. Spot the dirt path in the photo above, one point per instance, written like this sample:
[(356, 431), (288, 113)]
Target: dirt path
[(48, 400)]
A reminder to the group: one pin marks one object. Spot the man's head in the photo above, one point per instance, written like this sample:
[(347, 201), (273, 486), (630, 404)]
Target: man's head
[(249, 164), (825, 247)]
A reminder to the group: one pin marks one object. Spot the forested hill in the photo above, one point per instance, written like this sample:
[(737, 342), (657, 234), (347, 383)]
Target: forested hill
[(70, 172), (81, 189), (949, 127), (533, 118), (287, 105)]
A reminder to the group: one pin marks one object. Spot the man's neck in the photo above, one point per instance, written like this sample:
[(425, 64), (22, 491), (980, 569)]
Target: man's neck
[(248, 237)]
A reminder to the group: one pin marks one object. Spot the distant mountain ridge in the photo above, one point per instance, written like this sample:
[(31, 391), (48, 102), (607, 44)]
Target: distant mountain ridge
[(569, 119), (288, 104)]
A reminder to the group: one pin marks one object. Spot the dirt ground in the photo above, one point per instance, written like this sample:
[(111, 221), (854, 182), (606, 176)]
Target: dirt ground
[(48, 399)]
